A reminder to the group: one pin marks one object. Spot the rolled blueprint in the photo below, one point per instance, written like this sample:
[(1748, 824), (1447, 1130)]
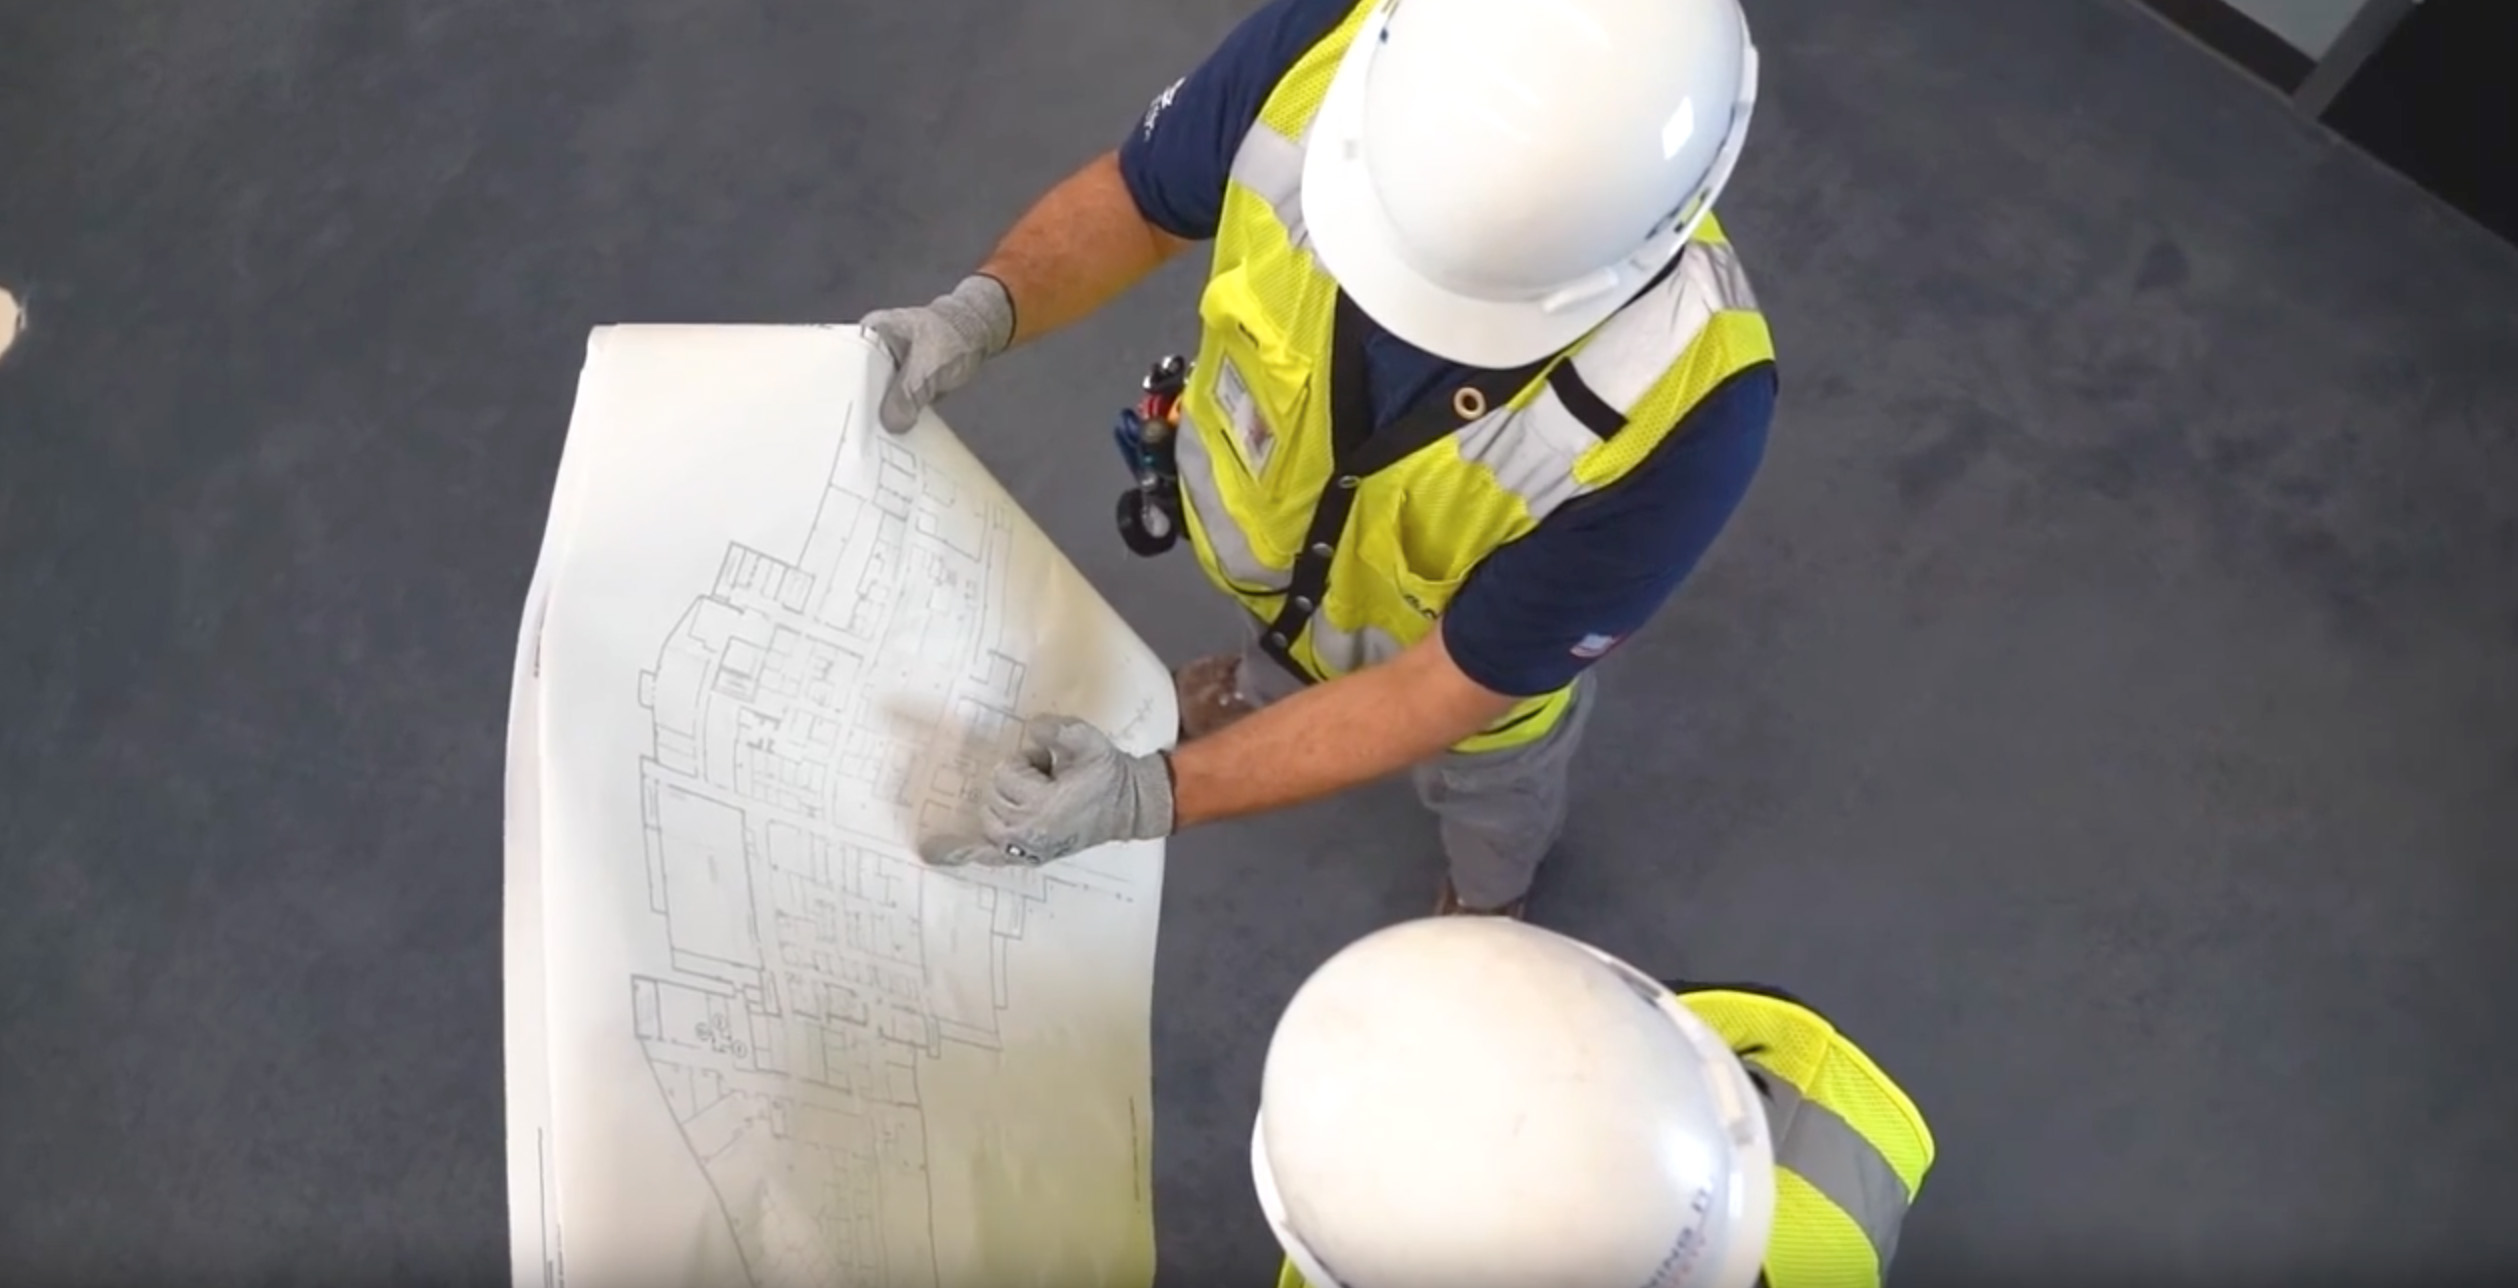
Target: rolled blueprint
[(751, 1037)]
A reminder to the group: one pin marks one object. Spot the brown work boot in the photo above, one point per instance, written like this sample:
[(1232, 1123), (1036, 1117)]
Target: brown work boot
[(1448, 904), (1210, 696)]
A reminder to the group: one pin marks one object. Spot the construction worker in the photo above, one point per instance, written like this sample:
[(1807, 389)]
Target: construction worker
[(1480, 1103), (1479, 381)]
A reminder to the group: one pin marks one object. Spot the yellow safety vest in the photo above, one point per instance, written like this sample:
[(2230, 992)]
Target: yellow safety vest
[(1349, 551), (1850, 1149)]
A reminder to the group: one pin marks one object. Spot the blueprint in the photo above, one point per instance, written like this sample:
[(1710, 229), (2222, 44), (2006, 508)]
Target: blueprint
[(768, 657)]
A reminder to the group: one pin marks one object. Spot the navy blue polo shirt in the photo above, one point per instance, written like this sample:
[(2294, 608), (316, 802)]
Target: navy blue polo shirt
[(1537, 611)]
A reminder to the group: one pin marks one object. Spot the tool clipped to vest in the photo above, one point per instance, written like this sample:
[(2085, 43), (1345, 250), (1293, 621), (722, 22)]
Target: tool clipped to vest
[(1149, 512)]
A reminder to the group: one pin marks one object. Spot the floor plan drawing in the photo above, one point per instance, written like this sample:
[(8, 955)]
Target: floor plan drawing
[(829, 1025)]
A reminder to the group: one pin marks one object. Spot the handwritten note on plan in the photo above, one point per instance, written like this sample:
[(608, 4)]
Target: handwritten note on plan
[(752, 1038)]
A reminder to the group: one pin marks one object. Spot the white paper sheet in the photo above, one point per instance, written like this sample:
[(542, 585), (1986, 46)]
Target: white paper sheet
[(752, 1038)]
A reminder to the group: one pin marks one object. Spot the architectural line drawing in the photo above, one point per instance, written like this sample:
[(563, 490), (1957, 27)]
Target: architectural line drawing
[(797, 978), (811, 953)]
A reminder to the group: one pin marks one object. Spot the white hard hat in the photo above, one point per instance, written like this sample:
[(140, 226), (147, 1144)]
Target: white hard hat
[(1489, 179), (1465, 1102)]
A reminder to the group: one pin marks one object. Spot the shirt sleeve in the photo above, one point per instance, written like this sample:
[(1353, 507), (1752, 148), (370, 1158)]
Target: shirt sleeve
[(1176, 157), (1538, 611)]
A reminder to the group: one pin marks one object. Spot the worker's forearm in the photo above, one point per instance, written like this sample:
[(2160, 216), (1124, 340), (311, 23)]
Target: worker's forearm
[(1076, 249), (1329, 737)]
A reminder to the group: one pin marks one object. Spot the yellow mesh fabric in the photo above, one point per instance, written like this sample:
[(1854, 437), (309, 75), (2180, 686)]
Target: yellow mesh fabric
[(1806, 1050), (1286, 277), (1863, 1096), (1733, 340), (1814, 1244), (1730, 342), (1446, 514)]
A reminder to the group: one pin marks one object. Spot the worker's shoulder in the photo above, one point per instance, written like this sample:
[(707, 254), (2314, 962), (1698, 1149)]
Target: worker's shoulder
[(1788, 1036), (1762, 1018), (1700, 318), (1313, 20), (1686, 988), (1756, 1014), (1271, 41), (1717, 434)]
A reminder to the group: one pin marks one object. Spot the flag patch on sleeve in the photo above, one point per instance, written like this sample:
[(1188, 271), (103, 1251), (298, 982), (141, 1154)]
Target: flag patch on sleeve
[(1593, 646)]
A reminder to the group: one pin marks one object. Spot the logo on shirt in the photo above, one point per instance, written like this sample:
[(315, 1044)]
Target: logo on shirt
[(1161, 101), (1590, 647)]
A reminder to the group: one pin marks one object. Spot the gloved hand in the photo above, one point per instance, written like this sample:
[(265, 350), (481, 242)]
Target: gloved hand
[(1066, 789), (937, 347)]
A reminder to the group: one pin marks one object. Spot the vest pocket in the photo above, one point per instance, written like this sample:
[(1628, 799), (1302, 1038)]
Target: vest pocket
[(1411, 595), (1425, 597), (1259, 383)]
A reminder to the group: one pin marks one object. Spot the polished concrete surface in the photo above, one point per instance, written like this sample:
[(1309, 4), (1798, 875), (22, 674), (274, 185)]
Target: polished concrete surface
[(2105, 705)]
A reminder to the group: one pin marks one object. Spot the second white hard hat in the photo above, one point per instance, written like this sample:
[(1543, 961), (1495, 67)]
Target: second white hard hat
[(1462, 1102), (1489, 179)]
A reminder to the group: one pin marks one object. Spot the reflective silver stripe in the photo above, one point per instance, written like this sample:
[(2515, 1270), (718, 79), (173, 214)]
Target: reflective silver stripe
[(1716, 267), (1223, 532), (1342, 651), (1825, 1150), (1644, 338), (1271, 166), (1531, 452)]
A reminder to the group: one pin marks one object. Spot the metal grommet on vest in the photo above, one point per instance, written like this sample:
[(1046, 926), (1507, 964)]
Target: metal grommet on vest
[(1468, 402)]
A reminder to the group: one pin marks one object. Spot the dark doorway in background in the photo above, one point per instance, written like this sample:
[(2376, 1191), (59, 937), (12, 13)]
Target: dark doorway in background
[(2439, 103)]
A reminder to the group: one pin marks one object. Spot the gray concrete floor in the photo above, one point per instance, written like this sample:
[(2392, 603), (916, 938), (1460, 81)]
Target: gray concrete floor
[(2105, 705)]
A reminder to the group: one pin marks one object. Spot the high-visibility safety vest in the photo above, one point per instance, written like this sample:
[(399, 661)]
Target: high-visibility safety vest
[(1850, 1149), (1348, 542)]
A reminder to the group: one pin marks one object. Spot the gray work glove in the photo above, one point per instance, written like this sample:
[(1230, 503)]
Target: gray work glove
[(1067, 789), (937, 347)]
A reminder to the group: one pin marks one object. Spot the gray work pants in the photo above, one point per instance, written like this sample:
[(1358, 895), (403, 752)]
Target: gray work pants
[(1500, 812)]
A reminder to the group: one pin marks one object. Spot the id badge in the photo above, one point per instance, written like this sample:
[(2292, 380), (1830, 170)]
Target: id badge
[(1252, 436)]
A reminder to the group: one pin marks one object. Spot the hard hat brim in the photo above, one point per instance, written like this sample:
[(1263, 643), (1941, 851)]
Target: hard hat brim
[(1352, 235)]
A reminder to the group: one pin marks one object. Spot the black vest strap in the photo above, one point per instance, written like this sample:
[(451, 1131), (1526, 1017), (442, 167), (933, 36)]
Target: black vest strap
[(1587, 407), (1359, 451)]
